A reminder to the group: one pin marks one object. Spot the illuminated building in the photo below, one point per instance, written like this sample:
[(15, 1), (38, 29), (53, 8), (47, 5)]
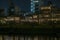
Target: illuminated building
[(35, 5)]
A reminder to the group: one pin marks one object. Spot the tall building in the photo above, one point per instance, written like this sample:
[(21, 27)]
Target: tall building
[(32, 6), (17, 11), (35, 4), (11, 9)]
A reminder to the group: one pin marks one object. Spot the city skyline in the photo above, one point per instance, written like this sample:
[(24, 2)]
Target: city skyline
[(25, 4)]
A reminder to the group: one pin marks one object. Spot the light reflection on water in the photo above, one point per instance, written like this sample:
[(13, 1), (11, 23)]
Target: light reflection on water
[(28, 38)]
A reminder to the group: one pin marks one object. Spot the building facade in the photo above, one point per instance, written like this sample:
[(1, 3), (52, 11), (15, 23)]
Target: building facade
[(17, 11), (35, 5), (11, 9)]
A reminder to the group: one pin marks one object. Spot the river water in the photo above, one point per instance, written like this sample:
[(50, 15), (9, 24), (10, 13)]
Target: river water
[(18, 37)]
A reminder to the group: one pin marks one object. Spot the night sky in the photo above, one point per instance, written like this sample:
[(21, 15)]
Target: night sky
[(21, 4)]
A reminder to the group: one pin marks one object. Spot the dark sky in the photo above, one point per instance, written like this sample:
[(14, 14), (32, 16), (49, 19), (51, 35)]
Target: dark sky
[(55, 2), (24, 4)]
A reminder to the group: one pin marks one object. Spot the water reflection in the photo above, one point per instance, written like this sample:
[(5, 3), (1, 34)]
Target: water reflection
[(6, 37)]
